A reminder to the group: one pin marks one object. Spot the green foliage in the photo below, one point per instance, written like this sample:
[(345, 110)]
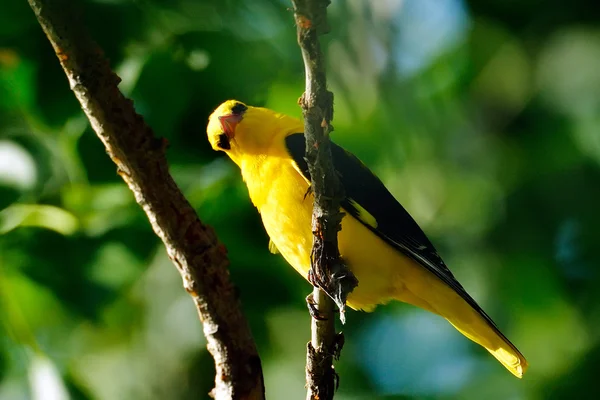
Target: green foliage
[(481, 118)]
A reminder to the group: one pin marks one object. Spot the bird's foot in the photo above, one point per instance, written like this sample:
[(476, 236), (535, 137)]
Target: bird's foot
[(313, 310), (338, 344)]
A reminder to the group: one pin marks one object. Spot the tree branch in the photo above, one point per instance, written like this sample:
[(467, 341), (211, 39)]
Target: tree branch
[(328, 273), (140, 158)]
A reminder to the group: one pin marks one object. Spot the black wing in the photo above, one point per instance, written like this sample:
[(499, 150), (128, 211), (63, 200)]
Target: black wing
[(384, 215)]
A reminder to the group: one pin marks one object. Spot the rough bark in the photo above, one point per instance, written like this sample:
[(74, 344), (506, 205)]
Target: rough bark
[(331, 278), (140, 158)]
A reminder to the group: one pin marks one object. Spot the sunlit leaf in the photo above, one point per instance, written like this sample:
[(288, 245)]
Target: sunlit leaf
[(39, 215), (46, 382), (17, 167)]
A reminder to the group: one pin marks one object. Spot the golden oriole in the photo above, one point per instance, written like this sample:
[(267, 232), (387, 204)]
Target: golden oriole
[(379, 241)]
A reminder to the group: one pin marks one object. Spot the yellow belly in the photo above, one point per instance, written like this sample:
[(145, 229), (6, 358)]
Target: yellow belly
[(381, 270)]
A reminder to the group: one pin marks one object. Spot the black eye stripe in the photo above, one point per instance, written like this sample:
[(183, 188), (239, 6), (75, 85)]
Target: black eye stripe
[(238, 109), (223, 142)]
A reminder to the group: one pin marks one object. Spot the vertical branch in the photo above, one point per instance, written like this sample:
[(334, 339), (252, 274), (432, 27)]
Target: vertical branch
[(140, 158), (330, 277)]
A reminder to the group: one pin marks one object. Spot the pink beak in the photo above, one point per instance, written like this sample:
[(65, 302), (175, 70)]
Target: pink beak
[(229, 123)]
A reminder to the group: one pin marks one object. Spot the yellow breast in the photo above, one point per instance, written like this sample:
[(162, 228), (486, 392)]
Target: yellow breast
[(279, 195), (279, 192)]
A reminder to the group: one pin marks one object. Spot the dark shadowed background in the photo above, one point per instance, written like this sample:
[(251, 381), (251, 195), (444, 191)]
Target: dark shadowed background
[(482, 117)]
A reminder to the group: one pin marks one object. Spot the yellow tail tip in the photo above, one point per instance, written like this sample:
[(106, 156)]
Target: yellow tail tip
[(512, 359), (521, 368)]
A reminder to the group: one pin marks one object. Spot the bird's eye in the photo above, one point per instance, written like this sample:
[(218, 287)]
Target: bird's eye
[(223, 142), (238, 109)]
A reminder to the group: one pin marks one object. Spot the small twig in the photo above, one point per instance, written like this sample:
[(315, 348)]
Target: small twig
[(331, 278), (140, 158)]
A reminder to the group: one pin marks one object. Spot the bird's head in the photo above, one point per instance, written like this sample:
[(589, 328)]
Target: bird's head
[(223, 123), (239, 129)]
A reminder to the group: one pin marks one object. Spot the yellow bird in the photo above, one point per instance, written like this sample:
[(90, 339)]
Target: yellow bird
[(380, 242)]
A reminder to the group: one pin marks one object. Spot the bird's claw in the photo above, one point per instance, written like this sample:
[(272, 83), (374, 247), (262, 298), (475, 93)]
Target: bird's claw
[(313, 279), (338, 344), (313, 310), (336, 379)]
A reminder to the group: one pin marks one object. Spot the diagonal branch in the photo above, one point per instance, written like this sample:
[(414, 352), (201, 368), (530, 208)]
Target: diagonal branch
[(140, 158), (331, 278)]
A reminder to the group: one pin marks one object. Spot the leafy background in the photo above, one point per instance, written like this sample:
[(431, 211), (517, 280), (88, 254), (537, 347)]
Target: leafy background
[(481, 116)]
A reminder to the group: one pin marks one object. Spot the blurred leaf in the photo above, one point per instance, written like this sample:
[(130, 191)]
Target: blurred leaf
[(38, 215), (569, 72), (101, 208), (46, 382), (8, 195), (17, 166), (3, 360), (59, 263), (21, 299), (17, 87), (76, 391), (115, 266)]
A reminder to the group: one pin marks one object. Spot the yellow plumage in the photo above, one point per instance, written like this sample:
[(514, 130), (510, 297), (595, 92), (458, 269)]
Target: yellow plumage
[(257, 140)]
